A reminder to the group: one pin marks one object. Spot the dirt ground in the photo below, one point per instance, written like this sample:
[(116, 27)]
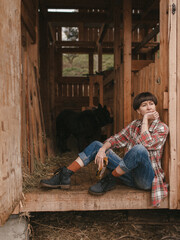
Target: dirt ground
[(106, 225), (101, 225)]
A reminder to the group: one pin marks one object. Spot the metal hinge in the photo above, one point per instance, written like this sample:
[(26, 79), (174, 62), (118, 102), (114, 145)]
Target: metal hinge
[(173, 8)]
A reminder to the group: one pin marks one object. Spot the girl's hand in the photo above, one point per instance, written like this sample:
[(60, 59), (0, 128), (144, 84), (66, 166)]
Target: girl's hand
[(99, 158), (152, 115)]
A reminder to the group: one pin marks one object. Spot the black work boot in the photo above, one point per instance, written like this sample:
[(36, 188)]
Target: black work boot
[(105, 184), (61, 179)]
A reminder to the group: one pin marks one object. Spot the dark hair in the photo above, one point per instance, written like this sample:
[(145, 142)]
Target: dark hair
[(142, 97)]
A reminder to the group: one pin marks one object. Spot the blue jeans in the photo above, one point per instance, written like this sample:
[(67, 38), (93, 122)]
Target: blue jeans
[(136, 164)]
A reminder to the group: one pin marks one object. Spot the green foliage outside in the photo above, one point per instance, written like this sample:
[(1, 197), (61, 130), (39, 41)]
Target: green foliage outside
[(80, 65)]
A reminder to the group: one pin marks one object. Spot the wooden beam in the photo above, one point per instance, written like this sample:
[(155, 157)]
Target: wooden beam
[(139, 64), (164, 77), (173, 175), (102, 33), (86, 44), (91, 63), (52, 33), (78, 4), (73, 80), (127, 26), (118, 110), (85, 50), (85, 17), (30, 5), (58, 200), (28, 22), (178, 98), (92, 44), (152, 34), (10, 108), (109, 78), (99, 58), (150, 6)]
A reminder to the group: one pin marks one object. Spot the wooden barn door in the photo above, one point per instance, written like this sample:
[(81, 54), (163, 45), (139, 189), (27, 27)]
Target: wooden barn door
[(174, 102), (10, 111)]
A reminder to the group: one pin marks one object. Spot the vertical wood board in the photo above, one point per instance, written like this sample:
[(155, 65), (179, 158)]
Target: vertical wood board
[(178, 99), (172, 106), (127, 26), (10, 108), (163, 76)]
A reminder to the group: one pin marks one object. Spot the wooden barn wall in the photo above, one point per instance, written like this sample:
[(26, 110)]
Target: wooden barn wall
[(10, 108), (118, 110), (48, 78), (109, 90), (148, 79), (33, 144), (72, 93), (92, 34)]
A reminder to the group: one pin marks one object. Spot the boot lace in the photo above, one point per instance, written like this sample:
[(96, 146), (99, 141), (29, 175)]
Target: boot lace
[(58, 171)]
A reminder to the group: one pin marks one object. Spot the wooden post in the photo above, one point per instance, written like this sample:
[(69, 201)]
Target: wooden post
[(178, 97), (99, 57), (127, 29), (118, 97), (173, 174), (51, 115), (10, 108), (92, 80), (163, 76), (43, 66), (91, 63)]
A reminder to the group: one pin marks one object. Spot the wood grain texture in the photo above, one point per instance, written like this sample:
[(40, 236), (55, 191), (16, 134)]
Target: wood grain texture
[(10, 108)]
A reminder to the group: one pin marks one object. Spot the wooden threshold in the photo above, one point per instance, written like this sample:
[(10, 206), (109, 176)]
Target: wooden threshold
[(77, 197), (73, 200)]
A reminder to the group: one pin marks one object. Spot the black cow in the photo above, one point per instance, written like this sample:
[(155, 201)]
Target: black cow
[(85, 126)]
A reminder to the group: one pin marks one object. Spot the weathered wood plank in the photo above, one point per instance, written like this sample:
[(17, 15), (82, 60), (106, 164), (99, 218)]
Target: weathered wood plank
[(74, 200), (127, 26), (139, 64), (73, 80), (78, 17), (178, 99), (10, 107), (28, 22), (173, 108), (152, 34), (118, 97), (91, 63), (93, 4)]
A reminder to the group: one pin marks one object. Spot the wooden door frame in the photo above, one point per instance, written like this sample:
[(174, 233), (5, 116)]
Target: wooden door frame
[(10, 108), (174, 102)]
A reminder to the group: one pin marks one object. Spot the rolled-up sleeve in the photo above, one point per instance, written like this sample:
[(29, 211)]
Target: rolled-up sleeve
[(155, 140)]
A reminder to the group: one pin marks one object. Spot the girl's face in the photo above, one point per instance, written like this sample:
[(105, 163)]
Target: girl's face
[(146, 107)]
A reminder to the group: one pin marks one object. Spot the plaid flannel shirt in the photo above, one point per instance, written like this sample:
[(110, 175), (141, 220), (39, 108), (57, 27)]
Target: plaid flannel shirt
[(153, 140)]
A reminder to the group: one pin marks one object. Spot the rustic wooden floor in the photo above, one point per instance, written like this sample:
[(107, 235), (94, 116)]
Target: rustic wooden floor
[(77, 197)]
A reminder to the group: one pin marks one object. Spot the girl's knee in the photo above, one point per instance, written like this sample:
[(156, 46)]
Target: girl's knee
[(97, 144), (140, 149)]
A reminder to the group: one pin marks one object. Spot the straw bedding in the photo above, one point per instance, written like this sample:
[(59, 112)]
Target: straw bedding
[(105, 225)]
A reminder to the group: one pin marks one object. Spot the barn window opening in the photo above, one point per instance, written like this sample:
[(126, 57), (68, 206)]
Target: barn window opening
[(107, 62), (75, 65), (70, 34)]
